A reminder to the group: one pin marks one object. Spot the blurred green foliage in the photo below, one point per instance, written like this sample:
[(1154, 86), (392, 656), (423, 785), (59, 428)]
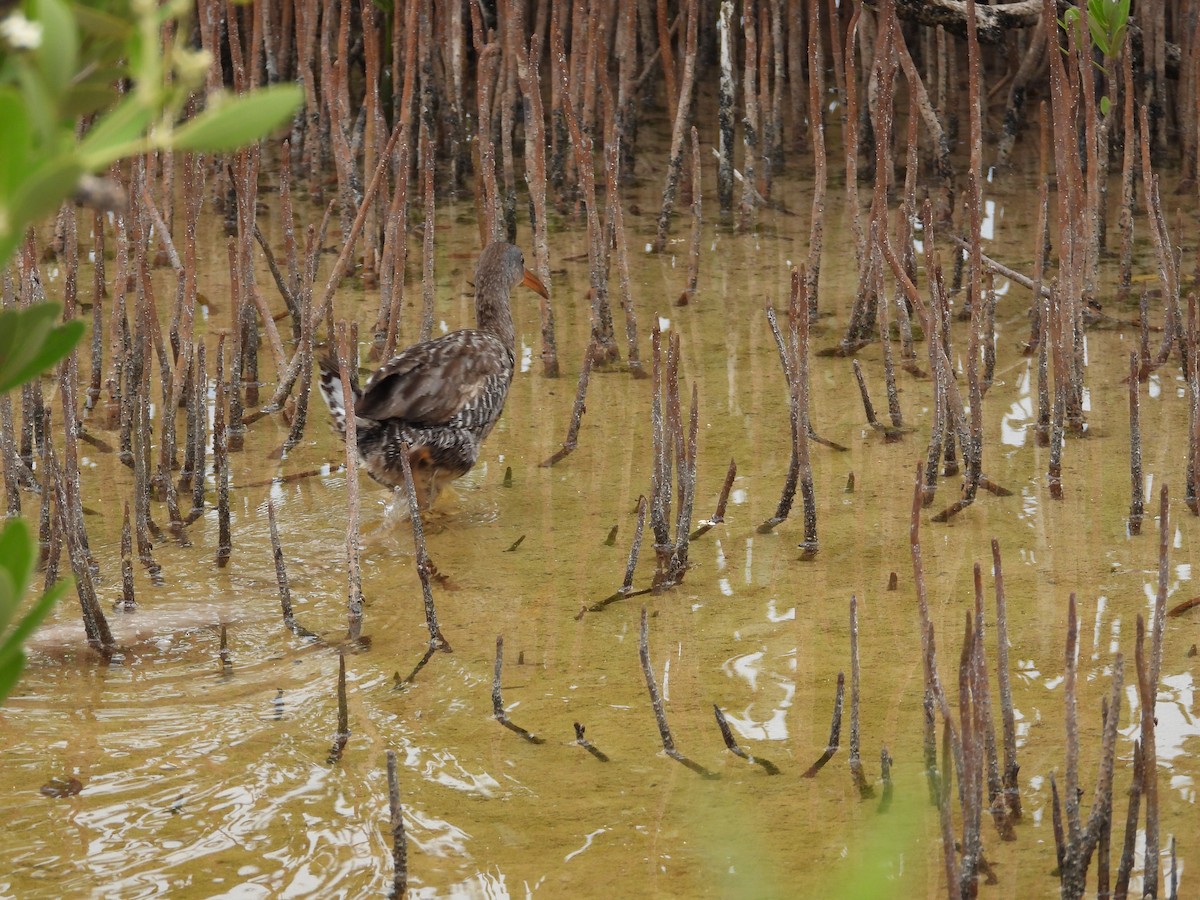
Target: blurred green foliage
[(60, 63)]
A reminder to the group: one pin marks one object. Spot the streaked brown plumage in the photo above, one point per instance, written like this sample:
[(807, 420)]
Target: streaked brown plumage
[(441, 397)]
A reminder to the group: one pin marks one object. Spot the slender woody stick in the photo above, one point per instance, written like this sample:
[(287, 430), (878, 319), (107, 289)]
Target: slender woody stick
[(727, 735), (689, 293), (682, 112), (1137, 497), (342, 735), (722, 501), (221, 461), (396, 811), (588, 745), (1012, 791), (725, 138), (577, 411), (856, 769), (616, 225), (128, 601), (835, 730), (354, 601), (285, 593), (626, 589), (660, 714), (498, 712)]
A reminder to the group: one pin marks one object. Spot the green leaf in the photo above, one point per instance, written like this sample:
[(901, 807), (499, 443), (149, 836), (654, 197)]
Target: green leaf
[(234, 121), (8, 241), (30, 346), (21, 333), (1099, 35), (18, 141), (10, 671), (33, 618), (91, 94), (106, 139), (57, 346), (1105, 105), (1118, 39), (17, 561), (41, 104), (59, 50), (97, 24), (43, 189)]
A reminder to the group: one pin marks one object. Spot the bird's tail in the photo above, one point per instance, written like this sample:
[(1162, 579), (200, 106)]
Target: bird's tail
[(331, 390)]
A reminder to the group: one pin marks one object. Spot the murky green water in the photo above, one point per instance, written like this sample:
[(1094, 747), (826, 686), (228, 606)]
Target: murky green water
[(203, 783)]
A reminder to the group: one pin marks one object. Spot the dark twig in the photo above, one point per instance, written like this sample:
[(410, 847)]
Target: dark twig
[(128, 600), (769, 767), (656, 702), (577, 411), (498, 700), (885, 775), (1125, 867), (223, 653), (835, 730), (221, 462), (588, 745), (865, 791), (1012, 790), (1137, 500), (281, 578), (342, 735), (626, 589), (722, 501), (399, 839), (346, 359)]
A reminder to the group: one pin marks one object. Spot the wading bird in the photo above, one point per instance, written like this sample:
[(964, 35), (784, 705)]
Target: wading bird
[(441, 397)]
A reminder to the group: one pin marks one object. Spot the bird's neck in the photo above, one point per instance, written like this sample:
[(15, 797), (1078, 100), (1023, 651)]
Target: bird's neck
[(494, 314)]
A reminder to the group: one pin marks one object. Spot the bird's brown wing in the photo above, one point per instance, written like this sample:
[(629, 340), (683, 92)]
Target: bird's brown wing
[(432, 382)]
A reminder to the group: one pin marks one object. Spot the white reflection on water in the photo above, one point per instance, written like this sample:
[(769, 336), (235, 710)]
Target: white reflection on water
[(1175, 721), (447, 771), (1015, 423), (1029, 506), (745, 666), (587, 842), (987, 227), (750, 724), (1027, 671), (1101, 606), (773, 615)]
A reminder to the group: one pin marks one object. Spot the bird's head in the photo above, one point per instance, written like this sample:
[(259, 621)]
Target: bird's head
[(504, 264)]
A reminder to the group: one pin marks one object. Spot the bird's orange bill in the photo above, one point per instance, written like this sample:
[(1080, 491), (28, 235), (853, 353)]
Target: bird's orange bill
[(534, 283)]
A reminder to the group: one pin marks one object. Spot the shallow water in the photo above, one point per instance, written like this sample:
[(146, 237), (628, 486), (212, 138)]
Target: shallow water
[(199, 782)]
